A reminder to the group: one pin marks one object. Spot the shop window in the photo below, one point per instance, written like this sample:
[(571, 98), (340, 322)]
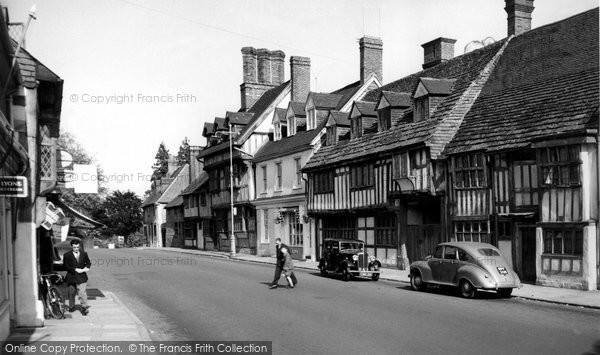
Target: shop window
[(385, 230), (295, 228)]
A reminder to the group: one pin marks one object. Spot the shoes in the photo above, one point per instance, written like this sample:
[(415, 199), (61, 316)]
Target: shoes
[(84, 312), (272, 287), (290, 286)]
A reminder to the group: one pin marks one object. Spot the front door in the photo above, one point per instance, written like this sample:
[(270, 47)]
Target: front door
[(528, 251)]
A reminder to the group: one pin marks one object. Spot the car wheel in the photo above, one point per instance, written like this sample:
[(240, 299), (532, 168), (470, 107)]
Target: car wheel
[(346, 275), (375, 277), (505, 292), (467, 290), (416, 281)]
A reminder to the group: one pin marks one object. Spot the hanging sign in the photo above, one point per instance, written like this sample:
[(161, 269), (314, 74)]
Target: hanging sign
[(13, 186)]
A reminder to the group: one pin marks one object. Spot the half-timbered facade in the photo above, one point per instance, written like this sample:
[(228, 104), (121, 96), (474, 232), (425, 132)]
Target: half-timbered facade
[(386, 184), (523, 168)]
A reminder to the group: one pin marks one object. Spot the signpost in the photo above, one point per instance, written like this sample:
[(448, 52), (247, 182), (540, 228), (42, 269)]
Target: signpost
[(13, 186)]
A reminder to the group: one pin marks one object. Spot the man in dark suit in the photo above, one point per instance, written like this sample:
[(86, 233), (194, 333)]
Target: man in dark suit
[(279, 262), (77, 263)]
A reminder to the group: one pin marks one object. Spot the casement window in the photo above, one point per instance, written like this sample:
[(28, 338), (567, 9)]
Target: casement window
[(278, 176), (311, 119), (472, 232), (265, 220), (291, 123), (277, 131), (362, 176), (345, 228), (323, 182), (331, 138), (298, 165), (356, 126), (421, 109), (560, 166), (385, 230), (385, 119), (564, 241), (264, 177), (469, 171), (295, 228), (525, 179), (202, 199)]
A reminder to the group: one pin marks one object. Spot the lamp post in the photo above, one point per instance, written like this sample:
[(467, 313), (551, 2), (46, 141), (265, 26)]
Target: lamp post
[(232, 237)]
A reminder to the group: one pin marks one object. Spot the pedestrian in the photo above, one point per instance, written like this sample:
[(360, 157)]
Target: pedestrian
[(288, 268), (77, 263), (279, 259)]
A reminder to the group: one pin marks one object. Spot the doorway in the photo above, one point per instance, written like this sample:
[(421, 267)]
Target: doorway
[(528, 251)]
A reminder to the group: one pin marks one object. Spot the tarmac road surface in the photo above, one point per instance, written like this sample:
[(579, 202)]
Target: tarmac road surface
[(196, 298)]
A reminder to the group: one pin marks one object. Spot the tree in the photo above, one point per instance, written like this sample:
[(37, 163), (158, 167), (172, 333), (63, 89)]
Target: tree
[(183, 156), (123, 213), (161, 166)]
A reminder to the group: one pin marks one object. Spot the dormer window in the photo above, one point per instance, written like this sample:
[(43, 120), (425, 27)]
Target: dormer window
[(291, 123), (391, 106), (277, 131), (428, 94), (356, 127), (385, 119)]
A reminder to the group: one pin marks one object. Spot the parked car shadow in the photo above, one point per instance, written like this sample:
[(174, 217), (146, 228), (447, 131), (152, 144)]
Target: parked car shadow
[(452, 291)]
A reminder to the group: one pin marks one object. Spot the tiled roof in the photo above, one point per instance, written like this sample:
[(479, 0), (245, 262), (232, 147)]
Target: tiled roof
[(465, 69), (298, 108), (397, 99), (545, 84), (176, 202), (239, 118), (262, 105), (326, 101), (347, 92), (285, 146), (220, 124), (32, 70), (340, 118), (196, 184), (209, 128), (280, 114), (151, 199)]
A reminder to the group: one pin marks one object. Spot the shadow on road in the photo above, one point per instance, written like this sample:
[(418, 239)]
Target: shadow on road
[(452, 291)]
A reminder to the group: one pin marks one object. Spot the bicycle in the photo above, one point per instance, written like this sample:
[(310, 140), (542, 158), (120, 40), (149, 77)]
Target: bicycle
[(52, 297)]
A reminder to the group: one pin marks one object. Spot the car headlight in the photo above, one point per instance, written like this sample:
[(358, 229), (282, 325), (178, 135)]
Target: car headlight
[(371, 258), (355, 257)]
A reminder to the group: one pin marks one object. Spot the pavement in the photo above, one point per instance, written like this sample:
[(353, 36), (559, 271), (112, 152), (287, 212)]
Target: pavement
[(110, 320)]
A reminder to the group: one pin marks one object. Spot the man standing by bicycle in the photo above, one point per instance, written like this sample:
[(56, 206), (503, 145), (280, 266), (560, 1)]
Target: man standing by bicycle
[(77, 263)]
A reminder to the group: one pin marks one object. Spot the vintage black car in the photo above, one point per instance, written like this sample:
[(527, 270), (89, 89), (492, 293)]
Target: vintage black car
[(348, 258)]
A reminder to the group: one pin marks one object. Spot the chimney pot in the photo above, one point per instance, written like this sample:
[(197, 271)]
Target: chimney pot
[(437, 51), (519, 16), (371, 58)]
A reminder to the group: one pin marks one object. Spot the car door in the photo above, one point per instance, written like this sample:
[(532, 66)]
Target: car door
[(435, 264), (449, 265)]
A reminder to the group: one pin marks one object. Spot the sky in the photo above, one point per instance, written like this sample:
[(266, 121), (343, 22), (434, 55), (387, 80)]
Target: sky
[(138, 73)]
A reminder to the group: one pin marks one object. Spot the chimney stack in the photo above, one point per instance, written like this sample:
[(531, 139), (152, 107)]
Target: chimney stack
[(264, 65), (371, 58), (277, 67), (519, 16), (249, 66), (300, 73), (196, 166), (437, 51)]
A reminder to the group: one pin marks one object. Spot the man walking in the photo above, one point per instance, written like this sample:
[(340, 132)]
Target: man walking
[(278, 263), (77, 263)]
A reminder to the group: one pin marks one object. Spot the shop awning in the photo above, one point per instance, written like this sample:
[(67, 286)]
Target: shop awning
[(78, 214)]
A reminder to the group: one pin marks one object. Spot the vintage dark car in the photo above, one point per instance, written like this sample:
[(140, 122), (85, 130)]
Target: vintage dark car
[(348, 258), (466, 265)]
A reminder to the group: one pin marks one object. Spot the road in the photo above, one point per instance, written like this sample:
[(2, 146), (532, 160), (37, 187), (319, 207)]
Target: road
[(197, 298)]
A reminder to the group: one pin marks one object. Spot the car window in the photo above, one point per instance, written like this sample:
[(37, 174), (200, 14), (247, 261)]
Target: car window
[(464, 256), (450, 253), (488, 252), (350, 246), (438, 252)]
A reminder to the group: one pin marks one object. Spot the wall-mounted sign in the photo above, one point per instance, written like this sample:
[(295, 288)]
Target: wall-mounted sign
[(13, 186)]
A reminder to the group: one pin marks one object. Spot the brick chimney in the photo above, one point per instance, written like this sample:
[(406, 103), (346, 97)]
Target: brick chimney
[(300, 73), (264, 65), (437, 51), (262, 70), (277, 67), (371, 58), (519, 16)]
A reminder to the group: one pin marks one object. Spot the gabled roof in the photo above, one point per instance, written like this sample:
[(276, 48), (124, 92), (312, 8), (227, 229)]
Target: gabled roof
[(297, 108), (220, 124), (363, 108), (466, 69), (32, 70), (196, 184), (151, 199), (280, 115), (238, 118), (340, 118), (209, 129), (176, 202), (394, 99), (300, 141), (545, 84), (180, 179), (347, 93), (435, 86), (323, 101)]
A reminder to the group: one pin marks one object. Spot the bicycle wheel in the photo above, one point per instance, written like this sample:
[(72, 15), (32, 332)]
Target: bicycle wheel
[(57, 307)]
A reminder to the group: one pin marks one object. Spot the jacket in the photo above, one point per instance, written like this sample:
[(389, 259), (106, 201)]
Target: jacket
[(70, 263)]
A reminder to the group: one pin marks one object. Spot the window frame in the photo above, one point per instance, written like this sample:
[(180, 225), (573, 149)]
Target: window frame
[(469, 171)]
